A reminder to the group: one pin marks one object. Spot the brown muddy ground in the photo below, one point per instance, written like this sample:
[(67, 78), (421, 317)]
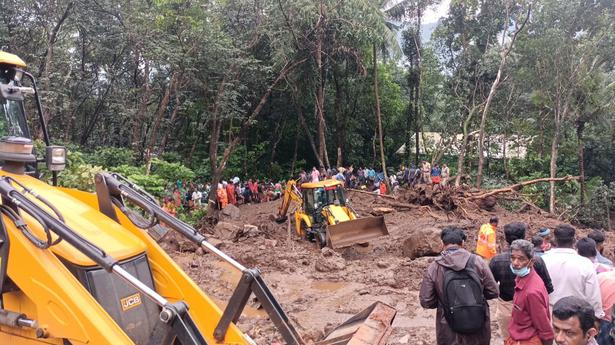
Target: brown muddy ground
[(320, 289)]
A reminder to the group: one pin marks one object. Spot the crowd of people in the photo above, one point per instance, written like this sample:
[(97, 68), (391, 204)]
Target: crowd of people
[(552, 289), (366, 178), (190, 195)]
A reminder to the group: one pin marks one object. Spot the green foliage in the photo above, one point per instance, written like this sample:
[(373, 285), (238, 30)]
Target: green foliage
[(599, 204), (109, 157), (78, 174), (171, 171)]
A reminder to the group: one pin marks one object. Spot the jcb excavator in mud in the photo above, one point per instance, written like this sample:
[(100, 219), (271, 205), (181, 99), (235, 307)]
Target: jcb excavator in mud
[(84, 268), (324, 215)]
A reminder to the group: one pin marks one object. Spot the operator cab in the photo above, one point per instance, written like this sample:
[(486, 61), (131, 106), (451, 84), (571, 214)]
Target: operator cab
[(321, 194), (15, 137)]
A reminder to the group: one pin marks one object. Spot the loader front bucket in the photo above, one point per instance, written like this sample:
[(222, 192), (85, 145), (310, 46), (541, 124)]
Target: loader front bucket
[(356, 231), (372, 326)]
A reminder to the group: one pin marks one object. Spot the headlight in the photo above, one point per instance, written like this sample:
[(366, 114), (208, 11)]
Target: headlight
[(18, 75), (56, 158)]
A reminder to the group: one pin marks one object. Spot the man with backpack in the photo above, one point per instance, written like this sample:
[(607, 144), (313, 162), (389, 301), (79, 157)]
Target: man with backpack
[(459, 284)]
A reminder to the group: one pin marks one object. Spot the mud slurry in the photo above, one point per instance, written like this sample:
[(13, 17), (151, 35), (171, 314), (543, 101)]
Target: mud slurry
[(320, 289)]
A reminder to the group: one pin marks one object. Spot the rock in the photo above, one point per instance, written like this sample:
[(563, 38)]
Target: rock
[(488, 203), (231, 212), (173, 241), (271, 243), (363, 292), (199, 251), (379, 211), (405, 339), (328, 252), (215, 242), (329, 263), (250, 230), (422, 242), (382, 264), (227, 231)]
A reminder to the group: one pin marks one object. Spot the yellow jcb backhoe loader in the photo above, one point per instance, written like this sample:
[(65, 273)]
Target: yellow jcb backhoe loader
[(83, 268), (324, 215)]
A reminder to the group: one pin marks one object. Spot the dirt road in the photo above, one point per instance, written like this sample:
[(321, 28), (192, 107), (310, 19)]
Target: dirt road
[(322, 288)]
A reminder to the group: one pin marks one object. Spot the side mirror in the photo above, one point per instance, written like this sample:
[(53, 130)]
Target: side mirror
[(55, 158)]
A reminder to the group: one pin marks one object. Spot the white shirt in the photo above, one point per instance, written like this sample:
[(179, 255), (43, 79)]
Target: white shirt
[(573, 275)]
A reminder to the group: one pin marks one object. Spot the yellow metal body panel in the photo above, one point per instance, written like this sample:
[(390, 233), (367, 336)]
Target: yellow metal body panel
[(321, 184), (89, 222), (50, 294), (300, 217), (337, 214), (172, 283), (11, 59)]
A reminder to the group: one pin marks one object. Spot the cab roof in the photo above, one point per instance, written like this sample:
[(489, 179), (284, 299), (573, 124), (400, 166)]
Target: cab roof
[(11, 59), (321, 184)]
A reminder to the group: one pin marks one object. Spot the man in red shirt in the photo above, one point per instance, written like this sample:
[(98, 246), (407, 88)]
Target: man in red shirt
[(530, 323)]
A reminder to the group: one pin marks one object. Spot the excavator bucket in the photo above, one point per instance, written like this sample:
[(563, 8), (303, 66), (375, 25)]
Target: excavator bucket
[(372, 326), (356, 231)]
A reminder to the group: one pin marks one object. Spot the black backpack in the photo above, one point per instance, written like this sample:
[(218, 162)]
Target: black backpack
[(463, 301)]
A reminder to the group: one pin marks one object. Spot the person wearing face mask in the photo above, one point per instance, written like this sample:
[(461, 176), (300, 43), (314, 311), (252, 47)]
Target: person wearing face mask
[(500, 267), (574, 322), (530, 323)]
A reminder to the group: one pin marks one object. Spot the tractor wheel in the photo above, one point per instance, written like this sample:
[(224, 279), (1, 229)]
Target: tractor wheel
[(322, 239)]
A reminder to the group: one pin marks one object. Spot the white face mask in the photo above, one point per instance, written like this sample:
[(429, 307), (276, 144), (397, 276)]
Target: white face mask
[(521, 272)]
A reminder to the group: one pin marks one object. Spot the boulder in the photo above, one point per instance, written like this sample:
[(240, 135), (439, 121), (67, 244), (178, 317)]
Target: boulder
[(231, 212), (329, 261), (422, 242), (227, 231), (173, 241)]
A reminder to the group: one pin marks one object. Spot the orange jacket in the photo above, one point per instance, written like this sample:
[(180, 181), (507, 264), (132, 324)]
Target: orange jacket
[(222, 198), (485, 243)]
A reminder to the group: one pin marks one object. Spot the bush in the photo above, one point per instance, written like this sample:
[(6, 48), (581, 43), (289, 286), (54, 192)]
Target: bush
[(109, 157), (171, 171), (152, 183), (597, 207)]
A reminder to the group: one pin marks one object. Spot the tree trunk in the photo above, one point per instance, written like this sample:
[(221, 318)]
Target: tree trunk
[(581, 155), (483, 122), (463, 148), (379, 119), (553, 166), (504, 158), (294, 161), (162, 108), (418, 106), (167, 133), (320, 93), (139, 118), (340, 123), (308, 135)]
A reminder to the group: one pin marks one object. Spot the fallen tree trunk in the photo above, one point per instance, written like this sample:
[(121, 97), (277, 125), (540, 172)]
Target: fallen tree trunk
[(518, 186), (373, 193)]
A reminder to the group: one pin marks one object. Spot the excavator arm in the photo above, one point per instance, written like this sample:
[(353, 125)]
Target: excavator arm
[(291, 193)]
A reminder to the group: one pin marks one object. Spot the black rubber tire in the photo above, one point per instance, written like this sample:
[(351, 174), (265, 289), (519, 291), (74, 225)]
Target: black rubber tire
[(321, 237)]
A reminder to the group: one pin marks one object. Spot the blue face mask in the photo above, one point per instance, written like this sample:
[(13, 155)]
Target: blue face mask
[(522, 272)]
